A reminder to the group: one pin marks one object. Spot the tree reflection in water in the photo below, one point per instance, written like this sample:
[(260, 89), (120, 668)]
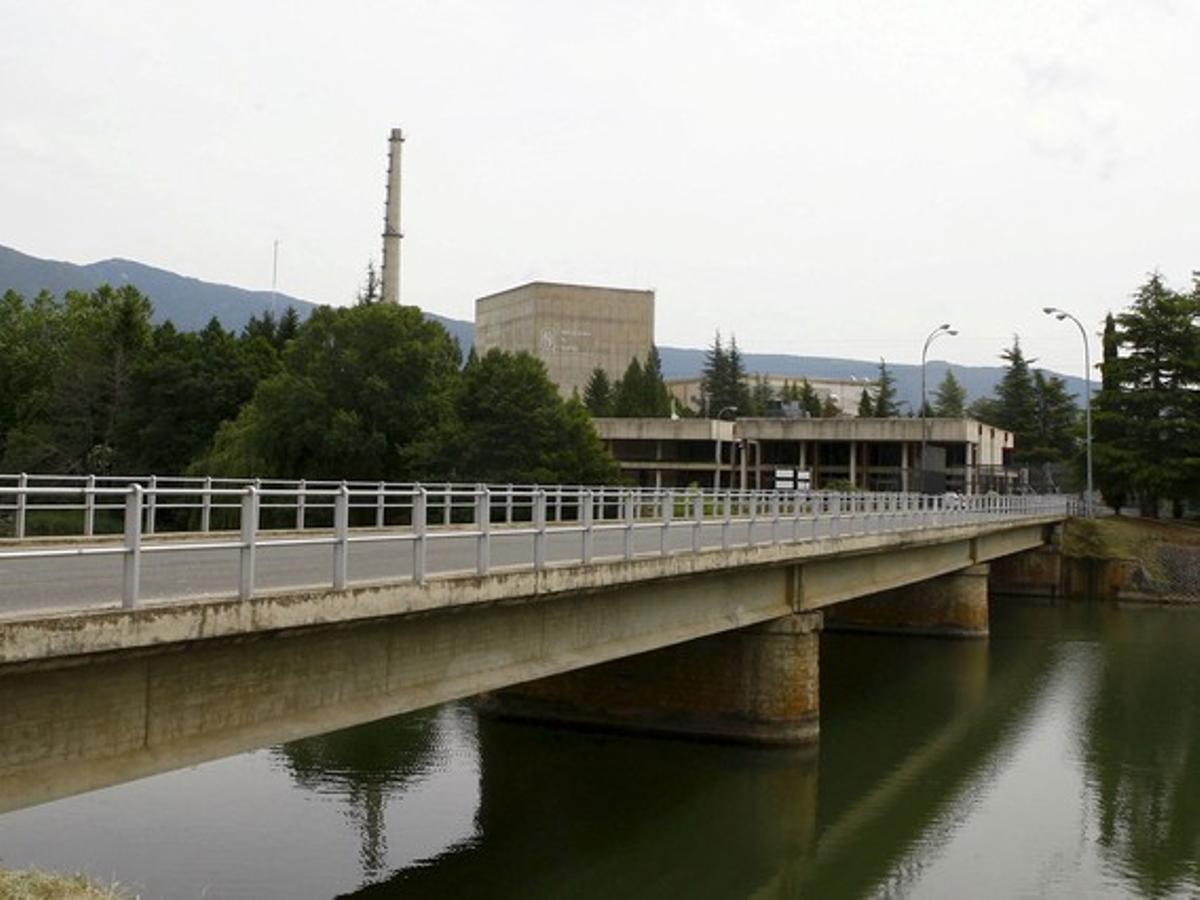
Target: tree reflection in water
[(1141, 747), (366, 765)]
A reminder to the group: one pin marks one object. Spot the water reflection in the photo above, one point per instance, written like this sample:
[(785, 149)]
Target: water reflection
[(908, 723), (1141, 748), (366, 765)]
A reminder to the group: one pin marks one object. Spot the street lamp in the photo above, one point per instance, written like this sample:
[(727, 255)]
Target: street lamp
[(933, 335), (1087, 396), (733, 447)]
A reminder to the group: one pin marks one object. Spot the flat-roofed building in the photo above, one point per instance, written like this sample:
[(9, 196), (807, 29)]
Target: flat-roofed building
[(572, 328), (867, 454)]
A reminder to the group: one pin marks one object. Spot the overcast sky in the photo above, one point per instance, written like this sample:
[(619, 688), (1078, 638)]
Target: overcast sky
[(829, 178)]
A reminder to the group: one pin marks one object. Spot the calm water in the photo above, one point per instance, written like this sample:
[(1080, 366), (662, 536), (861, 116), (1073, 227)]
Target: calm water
[(1059, 758)]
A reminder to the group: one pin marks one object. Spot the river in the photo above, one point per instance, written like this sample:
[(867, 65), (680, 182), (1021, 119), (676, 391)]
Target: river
[(1060, 757)]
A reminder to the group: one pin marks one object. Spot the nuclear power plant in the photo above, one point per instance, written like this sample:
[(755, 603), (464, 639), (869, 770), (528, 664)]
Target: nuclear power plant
[(572, 328)]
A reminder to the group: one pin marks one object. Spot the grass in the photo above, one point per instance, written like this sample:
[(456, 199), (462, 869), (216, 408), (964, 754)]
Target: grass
[(1122, 537), (31, 885)]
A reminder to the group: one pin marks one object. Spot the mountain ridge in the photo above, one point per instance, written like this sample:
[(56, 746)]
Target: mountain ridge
[(191, 302)]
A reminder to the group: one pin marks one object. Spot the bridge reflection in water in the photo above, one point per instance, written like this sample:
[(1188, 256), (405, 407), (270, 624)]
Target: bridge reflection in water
[(908, 723), (1063, 751)]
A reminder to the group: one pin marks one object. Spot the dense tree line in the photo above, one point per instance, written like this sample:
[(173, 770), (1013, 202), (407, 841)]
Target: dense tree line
[(89, 385), (1147, 414), (640, 392)]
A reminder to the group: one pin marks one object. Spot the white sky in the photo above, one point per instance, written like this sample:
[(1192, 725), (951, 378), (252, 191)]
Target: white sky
[(830, 178)]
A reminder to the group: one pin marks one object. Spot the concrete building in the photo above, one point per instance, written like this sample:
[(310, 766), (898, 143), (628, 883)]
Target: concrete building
[(846, 392), (871, 454), (572, 328)]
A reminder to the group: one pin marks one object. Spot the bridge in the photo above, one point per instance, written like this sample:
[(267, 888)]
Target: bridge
[(187, 619)]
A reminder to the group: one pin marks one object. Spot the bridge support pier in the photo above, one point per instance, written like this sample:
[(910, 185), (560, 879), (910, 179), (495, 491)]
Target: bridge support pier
[(754, 685), (954, 605)]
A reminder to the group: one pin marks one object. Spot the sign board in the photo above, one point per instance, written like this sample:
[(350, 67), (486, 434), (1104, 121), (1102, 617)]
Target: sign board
[(793, 479)]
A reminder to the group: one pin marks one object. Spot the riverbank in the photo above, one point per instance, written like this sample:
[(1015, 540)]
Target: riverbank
[(1133, 559), (48, 886)]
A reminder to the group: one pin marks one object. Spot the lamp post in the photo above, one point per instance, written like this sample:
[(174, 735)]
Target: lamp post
[(933, 335), (733, 446), (1087, 396)]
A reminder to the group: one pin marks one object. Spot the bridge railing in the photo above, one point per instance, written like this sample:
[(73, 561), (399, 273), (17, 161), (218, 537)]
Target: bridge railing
[(599, 522)]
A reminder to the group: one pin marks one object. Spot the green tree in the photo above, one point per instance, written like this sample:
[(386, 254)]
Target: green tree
[(866, 407), (809, 401), (950, 398), (69, 423), (1155, 394), (372, 287), (1115, 459), (761, 395), (182, 389), (830, 408), (885, 405), (516, 428), (365, 392), (724, 379), (598, 395)]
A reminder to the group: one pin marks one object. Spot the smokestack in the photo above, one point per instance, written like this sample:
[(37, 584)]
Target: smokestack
[(391, 221)]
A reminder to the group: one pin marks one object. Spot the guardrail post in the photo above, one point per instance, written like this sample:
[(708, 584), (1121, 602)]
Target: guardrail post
[(448, 507), (775, 517), (627, 534), (22, 503), (698, 524), (380, 505), (508, 505), (249, 534), (132, 562), (668, 513), (835, 525), (89, 507), (341, 536), (420, 528), (206, 505), (483, 517), (726, 518), (539, 523), (301, 492), (589, 520), (151, 504), (558, 504)]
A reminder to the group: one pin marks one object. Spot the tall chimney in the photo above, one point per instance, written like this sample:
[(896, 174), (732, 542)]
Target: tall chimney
[(391, 221)]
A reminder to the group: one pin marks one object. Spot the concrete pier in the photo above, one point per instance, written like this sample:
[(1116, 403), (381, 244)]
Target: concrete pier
[(954, 605), (754, 685)]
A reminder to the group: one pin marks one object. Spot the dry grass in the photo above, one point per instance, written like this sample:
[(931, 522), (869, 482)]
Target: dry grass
[(46, 886), (1122, 537)]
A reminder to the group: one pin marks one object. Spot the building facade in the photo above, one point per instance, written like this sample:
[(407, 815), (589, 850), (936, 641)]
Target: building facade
[(572, 328), (962, 455)]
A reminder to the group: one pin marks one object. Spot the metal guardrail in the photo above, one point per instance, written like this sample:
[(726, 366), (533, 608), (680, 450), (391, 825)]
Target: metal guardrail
[(420, 514)]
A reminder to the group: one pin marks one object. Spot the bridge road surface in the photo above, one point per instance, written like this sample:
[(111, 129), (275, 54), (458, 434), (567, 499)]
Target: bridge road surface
[(92, 582)]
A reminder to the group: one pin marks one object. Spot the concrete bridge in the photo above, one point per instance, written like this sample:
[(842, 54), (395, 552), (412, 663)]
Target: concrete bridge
[(691, 613)]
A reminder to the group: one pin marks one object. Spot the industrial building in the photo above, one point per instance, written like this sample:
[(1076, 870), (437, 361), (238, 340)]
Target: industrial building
[(962, 455), (572, 328)]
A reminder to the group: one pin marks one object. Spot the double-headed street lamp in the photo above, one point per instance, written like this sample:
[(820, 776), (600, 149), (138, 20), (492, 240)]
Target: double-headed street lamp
[(933, 335), (1087, 396)]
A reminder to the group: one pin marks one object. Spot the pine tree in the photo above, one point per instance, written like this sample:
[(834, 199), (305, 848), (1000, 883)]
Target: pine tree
[(885, 406), (950, 398), (597, 396), (866, 408), (761, 395), (1159, 377), (830, 408), (1114, 458), (809, 400)]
